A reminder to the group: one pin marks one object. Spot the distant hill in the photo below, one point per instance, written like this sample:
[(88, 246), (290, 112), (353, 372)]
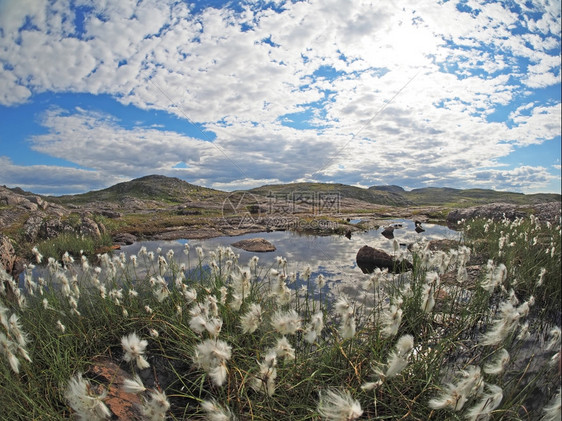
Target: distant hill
[(397, 196), (150, 187), (444, 196), (170, 190), (387, 197)]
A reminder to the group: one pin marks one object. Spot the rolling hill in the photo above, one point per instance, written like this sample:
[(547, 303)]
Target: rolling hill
[(170, 190)]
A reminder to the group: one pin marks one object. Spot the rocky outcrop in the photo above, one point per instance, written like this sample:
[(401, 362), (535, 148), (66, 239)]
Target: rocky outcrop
[(7, 254), (494, 211), (369, 258), (90, 227), (259, 245), (549, 211), (544, 211), (42, 227)]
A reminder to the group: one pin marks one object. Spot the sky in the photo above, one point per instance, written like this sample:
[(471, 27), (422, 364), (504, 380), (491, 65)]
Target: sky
[(240, 94)]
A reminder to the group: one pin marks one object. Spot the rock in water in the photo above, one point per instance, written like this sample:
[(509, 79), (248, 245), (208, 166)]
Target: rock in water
[(369, 258), (259, 245), (388, 232), (418, 228)]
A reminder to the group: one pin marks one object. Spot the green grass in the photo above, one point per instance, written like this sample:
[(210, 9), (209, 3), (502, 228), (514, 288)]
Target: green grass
[(100, 305), (74, 244)]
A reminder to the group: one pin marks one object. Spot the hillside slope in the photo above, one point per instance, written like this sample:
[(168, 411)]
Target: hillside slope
[(150, 187)]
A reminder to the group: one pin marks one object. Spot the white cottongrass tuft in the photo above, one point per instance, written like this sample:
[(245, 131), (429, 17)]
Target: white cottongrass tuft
[(251, 320), (265, 382), (155, 407), (211, 356), (456, 395), (554, 338), (283, 349), (337, 405), (398, 358), (320, 281), (391, 320), (497, 366), (134, 349), (216, 412), (502, 326), (134, 385), (84, 401), (348, 326), (487, 403), (314, 328), (60, 326), (286, 322), (553, 410), (8, 348), (346, 310)]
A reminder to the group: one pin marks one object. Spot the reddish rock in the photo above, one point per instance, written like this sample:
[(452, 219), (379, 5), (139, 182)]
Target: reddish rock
[(124, 406)]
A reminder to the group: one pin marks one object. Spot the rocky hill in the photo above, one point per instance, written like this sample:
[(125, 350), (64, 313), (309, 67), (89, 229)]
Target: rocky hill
[(154, 188)]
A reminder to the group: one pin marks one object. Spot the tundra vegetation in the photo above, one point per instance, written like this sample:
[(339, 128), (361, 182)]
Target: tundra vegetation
[(203, 335)]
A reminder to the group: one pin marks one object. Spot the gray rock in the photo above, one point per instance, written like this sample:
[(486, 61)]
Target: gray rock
[(90, 227), (38, 201), (32, 227), (108, 213), (259, 245), (124, 238)]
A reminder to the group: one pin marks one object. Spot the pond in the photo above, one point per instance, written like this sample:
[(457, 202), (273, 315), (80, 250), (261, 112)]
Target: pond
[(333, 256)]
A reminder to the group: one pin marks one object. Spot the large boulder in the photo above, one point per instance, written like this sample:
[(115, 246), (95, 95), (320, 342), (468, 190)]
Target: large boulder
[(32, 227), (259, 245), (369, 258), (91, 228)]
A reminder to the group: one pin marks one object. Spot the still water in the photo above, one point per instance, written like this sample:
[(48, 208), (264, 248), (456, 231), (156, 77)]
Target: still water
[(333, 256)]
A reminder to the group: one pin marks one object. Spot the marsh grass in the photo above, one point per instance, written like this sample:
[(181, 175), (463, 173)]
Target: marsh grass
[(74, 244), (153, 295)]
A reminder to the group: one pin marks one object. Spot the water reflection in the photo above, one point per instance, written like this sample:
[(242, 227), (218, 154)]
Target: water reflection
[(333, 256)]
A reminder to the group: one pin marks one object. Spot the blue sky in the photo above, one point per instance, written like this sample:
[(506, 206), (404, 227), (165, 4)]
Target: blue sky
[(234, 95)]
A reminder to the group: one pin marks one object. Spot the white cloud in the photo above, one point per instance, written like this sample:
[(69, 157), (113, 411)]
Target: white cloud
[(97, 141), (53, 180), (416, 84)]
